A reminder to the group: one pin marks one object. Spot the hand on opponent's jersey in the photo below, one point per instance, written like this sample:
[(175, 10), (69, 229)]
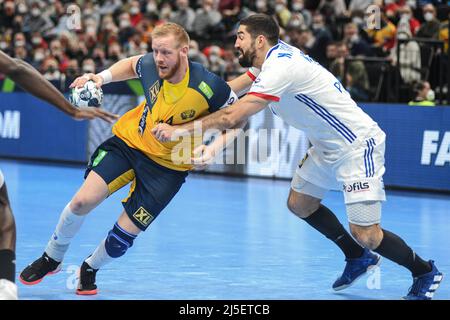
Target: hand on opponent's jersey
[(163, 132)]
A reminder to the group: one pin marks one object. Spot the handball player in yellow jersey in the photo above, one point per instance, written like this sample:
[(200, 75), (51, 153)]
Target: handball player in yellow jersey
[(176, 91)]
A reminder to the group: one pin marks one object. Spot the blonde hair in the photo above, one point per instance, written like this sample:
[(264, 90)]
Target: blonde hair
[(170, 28)]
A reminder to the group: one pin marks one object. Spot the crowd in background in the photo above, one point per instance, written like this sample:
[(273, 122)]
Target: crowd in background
[(63, 41)]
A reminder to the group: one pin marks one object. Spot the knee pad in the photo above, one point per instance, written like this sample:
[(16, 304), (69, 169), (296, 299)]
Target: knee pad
[(365, 213), (2, 179), (118, 241)]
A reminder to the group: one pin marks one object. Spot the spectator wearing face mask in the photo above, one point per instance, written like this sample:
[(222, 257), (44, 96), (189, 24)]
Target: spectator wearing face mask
[(58, 52), (261, 6), (196, 55), (207, 20), (322, 38), (135, 13), (282, 12), (358, 46), (50, 69), (216, 63), (20, 40), (88, 66), (114, 54), (383, 38), (37, 41), (424, 95), (406, 14), (39, 54), (35, 20), (184, 15), (430, 28), (126, 30), (298, 10), (21, 53)]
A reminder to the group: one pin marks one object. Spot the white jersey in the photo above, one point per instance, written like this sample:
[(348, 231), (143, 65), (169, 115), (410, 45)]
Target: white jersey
[(310, 98)]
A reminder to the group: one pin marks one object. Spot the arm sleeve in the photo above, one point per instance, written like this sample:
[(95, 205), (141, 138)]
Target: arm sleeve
[(272, 82)]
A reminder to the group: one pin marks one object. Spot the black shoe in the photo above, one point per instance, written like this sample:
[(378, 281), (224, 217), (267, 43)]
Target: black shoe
[(86, 285), (35, 272)]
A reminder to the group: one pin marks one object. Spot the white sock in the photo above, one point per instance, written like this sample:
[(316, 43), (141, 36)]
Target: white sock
[(100, 257), (68, 226)]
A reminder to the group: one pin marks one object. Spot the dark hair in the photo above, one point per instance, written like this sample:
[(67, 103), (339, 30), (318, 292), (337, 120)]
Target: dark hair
[(262, 24)]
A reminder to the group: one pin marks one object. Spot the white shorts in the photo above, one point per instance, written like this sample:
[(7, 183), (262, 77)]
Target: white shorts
[(359, 174)]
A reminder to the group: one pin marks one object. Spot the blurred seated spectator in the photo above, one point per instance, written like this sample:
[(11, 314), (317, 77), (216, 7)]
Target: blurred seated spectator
[(282, 13), (207, 21), (383, 39), (322, 37), (356, 78), (406, 14), (196, 55), (424, 95), (358, 46), (430, 28), (184, 15), (50, 69)]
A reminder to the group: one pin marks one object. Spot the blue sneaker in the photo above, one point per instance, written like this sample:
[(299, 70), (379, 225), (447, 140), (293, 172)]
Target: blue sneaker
[(355, 268), (423, 287)]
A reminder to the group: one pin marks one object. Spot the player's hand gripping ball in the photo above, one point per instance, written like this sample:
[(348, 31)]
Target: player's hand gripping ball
[(88, 95)]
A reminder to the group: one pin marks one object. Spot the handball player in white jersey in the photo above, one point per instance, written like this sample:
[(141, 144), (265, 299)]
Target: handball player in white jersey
[(347, 151)]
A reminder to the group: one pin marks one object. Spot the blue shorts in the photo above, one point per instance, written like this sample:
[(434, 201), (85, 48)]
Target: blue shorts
[(152, 188)]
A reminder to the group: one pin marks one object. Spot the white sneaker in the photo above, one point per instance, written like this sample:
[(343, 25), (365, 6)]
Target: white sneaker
[(8, 290)]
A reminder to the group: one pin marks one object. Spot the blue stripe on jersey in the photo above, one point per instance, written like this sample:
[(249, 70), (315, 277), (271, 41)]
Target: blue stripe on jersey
[(328, 117), (365, 162), (339, 123), (371, 156), (271, 50)]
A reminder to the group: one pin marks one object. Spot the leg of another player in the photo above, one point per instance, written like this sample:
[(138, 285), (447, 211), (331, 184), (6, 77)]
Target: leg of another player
[(93, 191), (119, 239), (8, 289), (425, 274), (318, 216)]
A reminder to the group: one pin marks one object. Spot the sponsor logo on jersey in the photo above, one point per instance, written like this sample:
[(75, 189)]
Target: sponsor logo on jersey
[(154, 91), (188, 114), (206, 89), (100, 155), (143, 217), (356, 187)]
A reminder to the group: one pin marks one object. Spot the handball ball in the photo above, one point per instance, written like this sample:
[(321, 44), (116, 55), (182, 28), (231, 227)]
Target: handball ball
[(86, 96)]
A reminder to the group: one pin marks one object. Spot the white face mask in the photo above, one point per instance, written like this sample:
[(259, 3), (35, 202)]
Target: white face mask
[(35, 12), (429, 16), (430, 95), (354, 38), (279, 7), (39, 56), (297, 6), (412, 4), (36, 40), (19, 43), (3, 45), (88, 69), (402, 36), (124, 23), (22, 8), (165, 12), (91, 30), (260, 4), (151, 7), (134, 10), (406, 16), (213, 58)]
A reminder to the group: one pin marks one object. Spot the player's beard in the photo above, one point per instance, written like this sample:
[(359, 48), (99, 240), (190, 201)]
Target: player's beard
[(246, 60), (171, 71)]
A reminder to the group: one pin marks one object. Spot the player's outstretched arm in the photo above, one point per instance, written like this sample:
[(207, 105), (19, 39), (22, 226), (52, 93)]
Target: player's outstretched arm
[(124, 69), (33, 82), (221, 120), (242, 84)]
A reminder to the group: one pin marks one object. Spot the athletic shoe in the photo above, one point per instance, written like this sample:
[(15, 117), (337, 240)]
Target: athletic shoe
[(35, 272), (424, 286)]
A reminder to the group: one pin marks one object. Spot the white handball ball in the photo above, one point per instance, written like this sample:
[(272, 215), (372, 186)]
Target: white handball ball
[(86, 96)]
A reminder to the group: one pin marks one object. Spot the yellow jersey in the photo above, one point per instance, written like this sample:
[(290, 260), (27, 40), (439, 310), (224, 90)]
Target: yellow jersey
[(199, 93)]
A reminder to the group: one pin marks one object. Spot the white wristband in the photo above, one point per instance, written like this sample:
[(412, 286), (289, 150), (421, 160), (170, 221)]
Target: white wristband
[(106, 76)]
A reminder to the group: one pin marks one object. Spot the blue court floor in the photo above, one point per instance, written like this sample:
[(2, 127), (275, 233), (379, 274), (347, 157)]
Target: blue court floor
[(220, 238)]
